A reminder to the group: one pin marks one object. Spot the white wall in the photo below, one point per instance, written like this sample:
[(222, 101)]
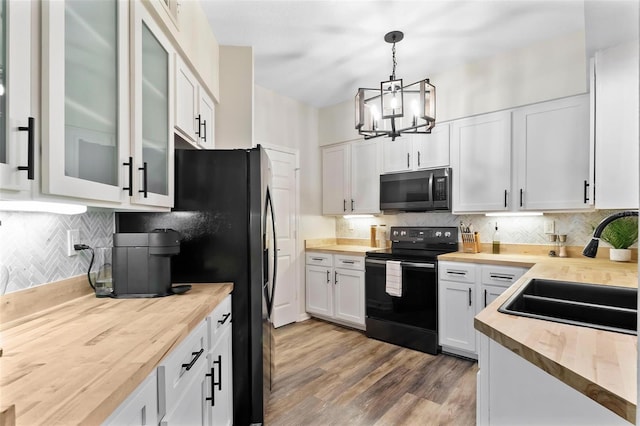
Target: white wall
[(547, 70), (234, 113)]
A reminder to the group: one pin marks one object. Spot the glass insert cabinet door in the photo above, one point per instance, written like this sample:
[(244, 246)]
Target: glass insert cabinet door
[(85, 98), (153, 121), (17, 160)]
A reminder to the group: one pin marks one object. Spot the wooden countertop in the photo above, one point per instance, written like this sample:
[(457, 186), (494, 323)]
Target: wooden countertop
[(600, 364), (74, 363), (353, 250)]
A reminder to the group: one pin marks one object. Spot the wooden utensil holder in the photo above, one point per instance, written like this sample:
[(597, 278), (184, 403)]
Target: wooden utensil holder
[(470, 242)]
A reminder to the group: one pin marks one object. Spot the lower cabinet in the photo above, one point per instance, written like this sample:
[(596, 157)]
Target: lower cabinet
[(464, 289), (335, 288), (193, 383)]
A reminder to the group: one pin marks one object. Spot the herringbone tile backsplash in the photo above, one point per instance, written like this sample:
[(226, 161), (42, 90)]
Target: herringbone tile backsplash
[(33, 246)]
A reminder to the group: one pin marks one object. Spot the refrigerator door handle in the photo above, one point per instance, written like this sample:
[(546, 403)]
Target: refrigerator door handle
[(269, 209)]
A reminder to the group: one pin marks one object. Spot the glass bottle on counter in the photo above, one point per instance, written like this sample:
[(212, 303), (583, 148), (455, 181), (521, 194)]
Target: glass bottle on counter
[(496, 241)]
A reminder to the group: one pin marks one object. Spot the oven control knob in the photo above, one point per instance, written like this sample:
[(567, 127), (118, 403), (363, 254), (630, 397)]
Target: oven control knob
[(447, 234), (438, 234), (403, 233)]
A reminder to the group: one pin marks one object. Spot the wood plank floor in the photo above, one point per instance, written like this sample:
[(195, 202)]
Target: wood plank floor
[(330, 375)]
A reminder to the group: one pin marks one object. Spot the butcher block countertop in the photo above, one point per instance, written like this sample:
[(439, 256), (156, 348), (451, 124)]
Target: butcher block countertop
[(348, 246), (76, 361), (600, 364)]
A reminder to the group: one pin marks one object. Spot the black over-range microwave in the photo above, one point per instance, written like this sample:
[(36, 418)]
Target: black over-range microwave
[(420, 191)]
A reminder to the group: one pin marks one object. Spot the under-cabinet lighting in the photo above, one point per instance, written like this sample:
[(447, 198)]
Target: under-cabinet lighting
[(513, 214), (357, 216), (41, 206)]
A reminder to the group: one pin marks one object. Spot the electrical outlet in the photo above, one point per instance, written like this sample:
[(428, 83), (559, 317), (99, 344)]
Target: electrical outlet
[(549, 227), (73, 237)]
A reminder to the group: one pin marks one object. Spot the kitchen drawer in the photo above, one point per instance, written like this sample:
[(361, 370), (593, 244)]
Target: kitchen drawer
[(348, 262), (502, 276), (177, 370), (320, 259), (457, 271), (220, 317)]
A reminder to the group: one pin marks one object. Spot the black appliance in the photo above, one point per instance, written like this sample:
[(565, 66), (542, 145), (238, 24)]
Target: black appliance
[(142, 263), (224, 215), (424, 190), (410, 320)]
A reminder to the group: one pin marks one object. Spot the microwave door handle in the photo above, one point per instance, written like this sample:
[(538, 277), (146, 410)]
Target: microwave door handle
[(431, 202)]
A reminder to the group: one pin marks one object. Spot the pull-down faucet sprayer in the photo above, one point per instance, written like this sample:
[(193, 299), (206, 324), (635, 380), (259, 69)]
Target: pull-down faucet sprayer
[(591, 248)]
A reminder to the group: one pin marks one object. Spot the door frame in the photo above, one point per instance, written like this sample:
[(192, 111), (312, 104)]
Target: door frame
[(298, 245)]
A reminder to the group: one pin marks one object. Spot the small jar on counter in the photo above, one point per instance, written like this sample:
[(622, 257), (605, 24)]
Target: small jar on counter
[(372, 243), (382, 236)]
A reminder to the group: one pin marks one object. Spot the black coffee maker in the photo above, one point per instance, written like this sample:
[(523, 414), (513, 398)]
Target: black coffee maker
[(142, 263)]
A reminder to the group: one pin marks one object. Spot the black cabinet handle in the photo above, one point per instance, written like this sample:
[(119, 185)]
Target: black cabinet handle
[(505, 198), (586, 191), (418, 158), (328, 277), (469, 296), (195, 355), (219, 382), (144, 179), (198, 118), (485, 297), (130, 187), (224, 319), (213, 380), (204, 124), (408, 158), (521, 191), (335, 277), (344, 205), (30, 129), (352, 204), (212, 398)]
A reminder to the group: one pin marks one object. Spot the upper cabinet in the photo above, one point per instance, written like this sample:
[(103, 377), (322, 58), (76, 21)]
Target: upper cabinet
[(152, 126), (85, 98), (481, 162), (616, 127), (194, 108), (94, 145), (551, 152), (17, 130), (351, 178), (417, 152), (551, 161)]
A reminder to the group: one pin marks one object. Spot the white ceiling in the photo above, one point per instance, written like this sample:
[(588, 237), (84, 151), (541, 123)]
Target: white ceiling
[(320, 52)]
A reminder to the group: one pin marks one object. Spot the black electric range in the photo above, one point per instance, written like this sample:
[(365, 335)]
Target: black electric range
[(403, 309)]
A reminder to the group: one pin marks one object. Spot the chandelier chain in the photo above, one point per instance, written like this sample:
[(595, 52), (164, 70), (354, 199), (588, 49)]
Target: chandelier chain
[(393, 52)]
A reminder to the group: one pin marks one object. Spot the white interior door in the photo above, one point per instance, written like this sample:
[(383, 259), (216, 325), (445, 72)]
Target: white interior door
[(283, 187)]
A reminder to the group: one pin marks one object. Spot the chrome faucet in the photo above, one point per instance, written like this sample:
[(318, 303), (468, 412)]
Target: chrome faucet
[(591, 248)]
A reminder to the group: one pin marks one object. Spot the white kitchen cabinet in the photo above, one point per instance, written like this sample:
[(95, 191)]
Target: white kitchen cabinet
[(351, 178), (85, 99), (456, 307), (140, 408), (481, 161), (417, 152), (219, 399), (513, 391), (335, 288), (551, 152), (194, 109), (152, 124), (107, 135), (464, 289), (616, 127), (191, 407), (15, 102)]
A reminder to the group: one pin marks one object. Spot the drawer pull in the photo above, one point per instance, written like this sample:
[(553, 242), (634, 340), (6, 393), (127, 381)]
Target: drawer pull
[(350, 262), (195, 355), (485, 297), (501, 277), (462, 273), (318, 259), (469, 296), (224, 319)]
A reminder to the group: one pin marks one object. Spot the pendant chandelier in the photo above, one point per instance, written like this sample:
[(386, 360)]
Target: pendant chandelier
[(395, 109)]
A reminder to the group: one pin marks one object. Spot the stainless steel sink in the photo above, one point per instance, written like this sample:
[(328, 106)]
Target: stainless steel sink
[(603, 307)]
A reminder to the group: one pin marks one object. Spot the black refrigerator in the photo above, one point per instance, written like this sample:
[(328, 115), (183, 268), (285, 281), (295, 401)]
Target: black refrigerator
[(224, 214)]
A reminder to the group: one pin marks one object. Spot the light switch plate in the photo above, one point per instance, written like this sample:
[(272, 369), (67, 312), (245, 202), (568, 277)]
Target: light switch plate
[(73, 237)]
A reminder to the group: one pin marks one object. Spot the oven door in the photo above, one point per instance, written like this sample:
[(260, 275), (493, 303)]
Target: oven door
[(418, 305)]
